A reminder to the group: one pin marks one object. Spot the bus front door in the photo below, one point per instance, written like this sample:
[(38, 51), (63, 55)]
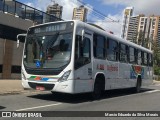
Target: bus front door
[(83, 64)]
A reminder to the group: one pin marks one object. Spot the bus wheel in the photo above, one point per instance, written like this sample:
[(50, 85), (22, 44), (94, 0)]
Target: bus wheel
[(138, 85), (96, 94)]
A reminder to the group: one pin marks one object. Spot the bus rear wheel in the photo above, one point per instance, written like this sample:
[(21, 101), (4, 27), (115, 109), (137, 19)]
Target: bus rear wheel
[(138, 85)]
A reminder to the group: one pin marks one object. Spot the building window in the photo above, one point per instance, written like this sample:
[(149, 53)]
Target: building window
[(142, 19), (141, 26), (1, 68), (10, 33), (16, 69), (99, 46)]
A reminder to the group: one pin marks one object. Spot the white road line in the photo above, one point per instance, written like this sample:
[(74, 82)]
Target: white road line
[(153, 91), (39, 107)]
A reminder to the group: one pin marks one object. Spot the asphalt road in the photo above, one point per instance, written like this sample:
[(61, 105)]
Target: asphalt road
[(115, 100)]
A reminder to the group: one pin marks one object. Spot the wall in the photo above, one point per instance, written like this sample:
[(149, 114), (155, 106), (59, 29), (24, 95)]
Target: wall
[(11, 56)]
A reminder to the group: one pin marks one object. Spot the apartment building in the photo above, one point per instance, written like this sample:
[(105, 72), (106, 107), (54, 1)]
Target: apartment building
[(80, 14), (55, 10), (133, 25), (128, 12), (149, 29)]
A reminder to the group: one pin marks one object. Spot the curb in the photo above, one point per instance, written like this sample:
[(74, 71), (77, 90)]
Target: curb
[(11, 92), (15, 92), (155, 82)]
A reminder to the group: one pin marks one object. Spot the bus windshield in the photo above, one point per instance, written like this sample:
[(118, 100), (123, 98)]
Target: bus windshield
[(48, 50)]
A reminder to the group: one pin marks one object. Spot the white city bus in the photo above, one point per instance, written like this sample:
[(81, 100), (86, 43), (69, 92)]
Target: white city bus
[(76, 57)]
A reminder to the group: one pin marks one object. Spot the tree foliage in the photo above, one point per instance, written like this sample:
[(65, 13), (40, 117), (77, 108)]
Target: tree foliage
[(156, 58), (155, 46)]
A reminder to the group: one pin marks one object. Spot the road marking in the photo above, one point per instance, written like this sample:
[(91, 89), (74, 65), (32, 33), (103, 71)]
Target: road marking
[(153, 91), (39, 107)]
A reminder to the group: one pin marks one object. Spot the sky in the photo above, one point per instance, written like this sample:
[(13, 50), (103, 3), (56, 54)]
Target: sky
[(110, 8)]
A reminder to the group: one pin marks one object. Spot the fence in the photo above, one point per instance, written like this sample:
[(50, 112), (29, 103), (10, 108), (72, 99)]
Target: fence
[(26, 12)]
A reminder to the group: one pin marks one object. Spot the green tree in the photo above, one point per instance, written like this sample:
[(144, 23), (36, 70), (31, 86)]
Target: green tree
[(156, 57), (141, 38)]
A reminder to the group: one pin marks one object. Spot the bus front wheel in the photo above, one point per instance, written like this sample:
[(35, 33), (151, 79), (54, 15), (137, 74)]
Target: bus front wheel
[(97, 91)]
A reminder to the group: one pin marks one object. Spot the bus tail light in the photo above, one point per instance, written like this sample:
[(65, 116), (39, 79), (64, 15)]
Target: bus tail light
[(64, 76)]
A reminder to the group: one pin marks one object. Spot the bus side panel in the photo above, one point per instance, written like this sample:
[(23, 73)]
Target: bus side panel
[(83, 79), (125, 80), (147, 79), (111, 71)]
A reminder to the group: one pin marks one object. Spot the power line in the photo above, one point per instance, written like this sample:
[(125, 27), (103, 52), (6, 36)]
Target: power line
[(97, 13)]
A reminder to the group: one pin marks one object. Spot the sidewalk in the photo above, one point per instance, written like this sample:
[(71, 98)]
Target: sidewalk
[(10, 86), (15, 87)]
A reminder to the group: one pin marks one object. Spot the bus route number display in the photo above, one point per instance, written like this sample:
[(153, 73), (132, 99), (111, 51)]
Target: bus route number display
[(50, 28)]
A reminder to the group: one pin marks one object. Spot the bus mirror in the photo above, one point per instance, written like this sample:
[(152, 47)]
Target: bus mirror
[(17, 43), (20, 37), (82, 35)]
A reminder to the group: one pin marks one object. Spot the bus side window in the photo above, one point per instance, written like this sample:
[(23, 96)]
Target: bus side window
[(132, 55), (145, 58), (139, 57), (112, 50), (150, 60), (99, 46), (123, 53)]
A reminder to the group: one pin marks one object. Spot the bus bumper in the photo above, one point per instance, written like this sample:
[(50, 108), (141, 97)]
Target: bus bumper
[(63, 87)]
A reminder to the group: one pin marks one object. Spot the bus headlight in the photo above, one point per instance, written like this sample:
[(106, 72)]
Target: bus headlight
[(64, 76)]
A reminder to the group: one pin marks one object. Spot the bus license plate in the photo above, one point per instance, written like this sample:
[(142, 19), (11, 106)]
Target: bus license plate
[(40, 88)]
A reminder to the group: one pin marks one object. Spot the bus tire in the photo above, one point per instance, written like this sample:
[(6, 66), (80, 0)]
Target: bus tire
[(98, 88), (138, 85)]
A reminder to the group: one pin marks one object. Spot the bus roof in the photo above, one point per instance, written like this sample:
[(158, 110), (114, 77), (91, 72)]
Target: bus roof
[(99, 31), (118, 39)]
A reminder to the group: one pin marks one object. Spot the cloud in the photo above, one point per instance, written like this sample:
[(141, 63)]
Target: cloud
[(69, 5), (113, 26), (30, 4), (147, 7)]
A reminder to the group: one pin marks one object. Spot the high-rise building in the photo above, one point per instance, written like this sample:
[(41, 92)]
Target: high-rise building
[(132, 28), (128, 12), (149, 29), (55, 10), (80, 14)]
